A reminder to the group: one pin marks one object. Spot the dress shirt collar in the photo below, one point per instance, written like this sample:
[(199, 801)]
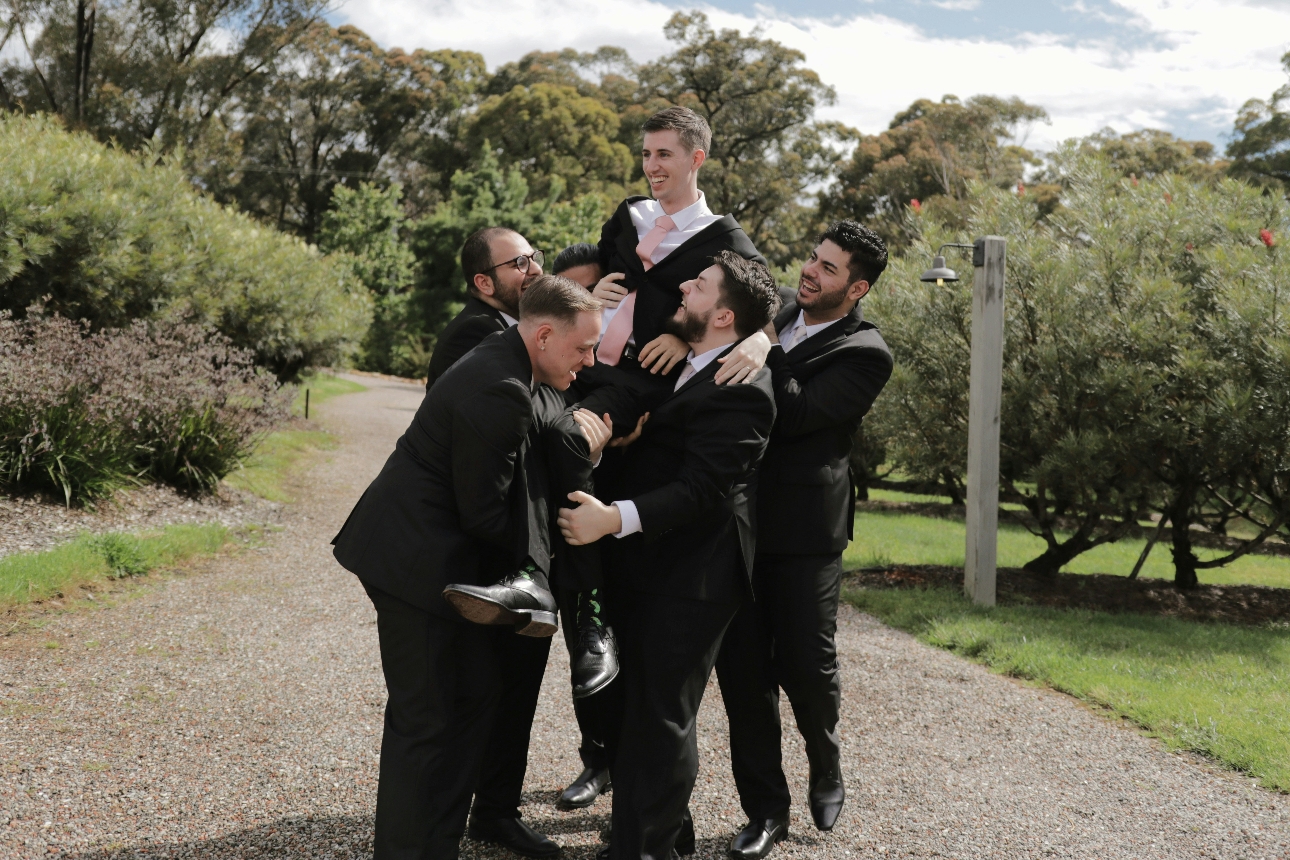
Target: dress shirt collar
[(787, 336), (702, 360), (510, 320), (682, 219)]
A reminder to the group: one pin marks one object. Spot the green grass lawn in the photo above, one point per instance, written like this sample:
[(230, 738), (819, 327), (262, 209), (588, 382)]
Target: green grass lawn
[(323, 385), (268, 471), (26, 577), (1221, 690), (883, 538)]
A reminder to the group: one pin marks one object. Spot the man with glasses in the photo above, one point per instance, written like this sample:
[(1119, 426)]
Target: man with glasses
[(498, 264)]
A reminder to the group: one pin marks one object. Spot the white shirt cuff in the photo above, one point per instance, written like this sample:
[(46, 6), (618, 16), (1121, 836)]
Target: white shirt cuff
[(595, 464), (631, 519)]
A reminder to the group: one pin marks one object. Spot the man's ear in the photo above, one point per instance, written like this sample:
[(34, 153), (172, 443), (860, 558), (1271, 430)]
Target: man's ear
[(543, 334), (722, 317), (858, 290), (484, 284), (697, 158)]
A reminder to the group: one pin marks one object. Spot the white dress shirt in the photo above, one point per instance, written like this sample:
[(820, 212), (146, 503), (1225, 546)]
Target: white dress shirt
[(788, 338), (689, 222), (510, 320), (627, 509)]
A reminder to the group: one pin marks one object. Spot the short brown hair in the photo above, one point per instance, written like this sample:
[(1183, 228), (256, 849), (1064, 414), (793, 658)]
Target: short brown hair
[(552, 297), (477, 255), (748, 289), (694, 131)]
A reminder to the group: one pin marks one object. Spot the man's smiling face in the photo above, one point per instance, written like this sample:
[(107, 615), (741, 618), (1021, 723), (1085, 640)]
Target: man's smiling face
[(668, 164), (826, 279)]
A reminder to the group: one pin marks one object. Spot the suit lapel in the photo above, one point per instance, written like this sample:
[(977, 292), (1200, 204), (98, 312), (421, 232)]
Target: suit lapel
[(709, 370), (840, 330), (726, 224)]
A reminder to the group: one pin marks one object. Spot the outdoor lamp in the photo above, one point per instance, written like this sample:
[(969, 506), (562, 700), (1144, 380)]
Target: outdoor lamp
[(939, 272)]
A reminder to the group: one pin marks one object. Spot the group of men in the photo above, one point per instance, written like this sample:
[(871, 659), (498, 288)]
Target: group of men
[(651, 446)]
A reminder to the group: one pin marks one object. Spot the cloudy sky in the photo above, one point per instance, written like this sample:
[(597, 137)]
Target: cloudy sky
[(1181, 65)]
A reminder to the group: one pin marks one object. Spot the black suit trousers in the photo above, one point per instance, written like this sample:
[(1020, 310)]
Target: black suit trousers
[(668, 646), (441, 675), (522, 663), (785, 638)]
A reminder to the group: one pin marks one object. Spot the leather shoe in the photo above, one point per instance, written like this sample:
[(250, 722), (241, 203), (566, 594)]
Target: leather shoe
[(594, 661), (757, 839), (514, 834), (515, 600), (584, 790), (827, 795)]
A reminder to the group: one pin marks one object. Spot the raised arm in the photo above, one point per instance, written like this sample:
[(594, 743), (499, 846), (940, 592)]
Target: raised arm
[(841, 393)]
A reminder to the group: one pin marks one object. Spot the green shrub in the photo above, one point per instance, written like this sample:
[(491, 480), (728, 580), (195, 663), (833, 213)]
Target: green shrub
[(101, 235), (82, 413)]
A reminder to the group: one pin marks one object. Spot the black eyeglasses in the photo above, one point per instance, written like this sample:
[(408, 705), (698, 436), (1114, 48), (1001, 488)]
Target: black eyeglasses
[(521, 262)]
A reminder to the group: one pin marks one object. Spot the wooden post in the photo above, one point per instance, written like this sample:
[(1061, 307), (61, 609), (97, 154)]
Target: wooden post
[(984, 400), (306, 404)]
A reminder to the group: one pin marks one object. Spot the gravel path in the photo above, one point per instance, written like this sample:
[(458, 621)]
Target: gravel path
[(236, 712)]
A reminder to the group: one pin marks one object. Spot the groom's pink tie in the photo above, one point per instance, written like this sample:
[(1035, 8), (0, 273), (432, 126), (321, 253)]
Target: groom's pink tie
[(662, 227), (620, 327)]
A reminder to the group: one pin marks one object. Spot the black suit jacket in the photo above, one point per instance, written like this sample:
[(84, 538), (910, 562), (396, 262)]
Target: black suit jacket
[(447, 507), (823, 388), (658, 291), (476, 321), (691, 475)]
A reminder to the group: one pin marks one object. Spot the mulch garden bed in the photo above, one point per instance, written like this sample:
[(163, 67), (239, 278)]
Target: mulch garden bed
[(1235, 604)]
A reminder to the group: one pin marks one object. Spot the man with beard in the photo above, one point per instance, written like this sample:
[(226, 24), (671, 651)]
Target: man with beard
[(498, 264), (683, 551), (828, 367), (451, 505)]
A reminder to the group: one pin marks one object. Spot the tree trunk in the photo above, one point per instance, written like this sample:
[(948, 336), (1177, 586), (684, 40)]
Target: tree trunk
[(1184, 557), (1057, 556)]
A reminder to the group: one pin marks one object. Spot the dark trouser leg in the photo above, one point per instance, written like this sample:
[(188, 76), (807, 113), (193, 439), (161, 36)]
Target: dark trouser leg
[(576, 568), (751, 695), (522, 663), (804, 621), (590, 711), (441, 675), (669, 646)]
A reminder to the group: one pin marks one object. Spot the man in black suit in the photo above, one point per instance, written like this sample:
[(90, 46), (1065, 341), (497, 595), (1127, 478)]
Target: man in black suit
[(450, 506), (649, 247), (828, 367), (498, 264), (683, 554)]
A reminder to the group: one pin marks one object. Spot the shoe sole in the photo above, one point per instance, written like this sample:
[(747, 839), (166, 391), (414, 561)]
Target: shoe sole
[(536, 623)]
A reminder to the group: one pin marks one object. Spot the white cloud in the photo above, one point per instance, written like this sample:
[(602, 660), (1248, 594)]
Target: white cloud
[(1184, 64)]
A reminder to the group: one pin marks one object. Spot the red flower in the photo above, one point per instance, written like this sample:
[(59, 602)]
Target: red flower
[(1169, 198), (1133, 177), (1266, 236), (915, 205), (1021, 189), (1190, 246)]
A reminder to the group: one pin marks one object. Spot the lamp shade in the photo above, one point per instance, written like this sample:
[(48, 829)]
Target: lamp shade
[(939, 271)]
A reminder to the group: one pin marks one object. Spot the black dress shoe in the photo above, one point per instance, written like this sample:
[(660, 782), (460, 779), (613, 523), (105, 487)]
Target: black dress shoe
[(827, 795), (757, 839), (594, 661), (514, 834), (584, 790), (515, 600)]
